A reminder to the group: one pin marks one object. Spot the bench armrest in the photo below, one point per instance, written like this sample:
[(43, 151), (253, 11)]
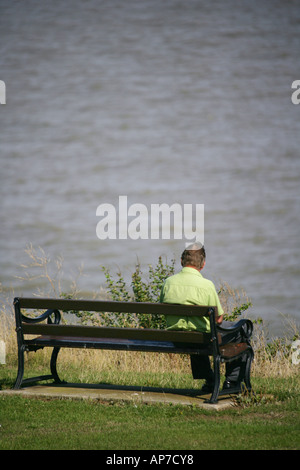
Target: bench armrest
[(44, 316), (245, 327)]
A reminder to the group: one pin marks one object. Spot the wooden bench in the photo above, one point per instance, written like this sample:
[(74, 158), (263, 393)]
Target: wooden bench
[(49, 332)]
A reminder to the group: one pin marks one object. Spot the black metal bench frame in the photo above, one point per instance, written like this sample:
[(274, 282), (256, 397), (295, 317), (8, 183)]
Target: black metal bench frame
[(53, 334)]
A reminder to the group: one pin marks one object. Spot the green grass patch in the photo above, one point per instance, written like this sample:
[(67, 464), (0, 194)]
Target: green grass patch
[(268, 420), (60, 424)]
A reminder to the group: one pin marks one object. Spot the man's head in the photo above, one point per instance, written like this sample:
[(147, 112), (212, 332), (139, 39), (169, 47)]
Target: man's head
[(194, 256)]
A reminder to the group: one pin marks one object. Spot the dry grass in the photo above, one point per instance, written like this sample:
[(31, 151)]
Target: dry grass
[(274, 358)]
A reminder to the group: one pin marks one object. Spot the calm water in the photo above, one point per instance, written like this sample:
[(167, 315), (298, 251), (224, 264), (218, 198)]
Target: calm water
[(163, 101)]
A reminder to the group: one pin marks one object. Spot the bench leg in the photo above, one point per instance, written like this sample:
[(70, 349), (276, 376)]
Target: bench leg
[(20, 381), (20, 374), (247, 370), (214, 396), (53, 366)]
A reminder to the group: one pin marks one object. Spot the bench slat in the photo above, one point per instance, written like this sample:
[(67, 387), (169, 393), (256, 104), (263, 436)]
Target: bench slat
[(118, 344), (107, 332), (233, 349), (113, 306)]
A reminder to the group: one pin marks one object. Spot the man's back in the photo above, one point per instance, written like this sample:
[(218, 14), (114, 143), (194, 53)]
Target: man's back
[(189, 287)]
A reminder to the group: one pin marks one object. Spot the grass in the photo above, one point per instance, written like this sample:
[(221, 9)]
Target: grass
[(28, 423)]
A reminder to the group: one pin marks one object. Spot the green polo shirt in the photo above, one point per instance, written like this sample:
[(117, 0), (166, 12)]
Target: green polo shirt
[(189, 287)]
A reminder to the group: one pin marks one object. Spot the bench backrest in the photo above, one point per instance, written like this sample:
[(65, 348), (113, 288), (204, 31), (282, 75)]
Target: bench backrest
[(29, 325), (114, 306)]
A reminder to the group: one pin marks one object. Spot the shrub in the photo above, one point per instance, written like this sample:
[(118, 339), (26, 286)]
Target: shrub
[(142, 290)]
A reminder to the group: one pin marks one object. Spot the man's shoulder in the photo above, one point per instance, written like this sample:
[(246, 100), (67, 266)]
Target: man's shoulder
[(172, 278), (175, 276), (193, 278)]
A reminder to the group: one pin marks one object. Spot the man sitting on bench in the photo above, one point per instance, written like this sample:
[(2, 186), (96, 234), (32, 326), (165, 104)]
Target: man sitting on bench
[(191, 288)]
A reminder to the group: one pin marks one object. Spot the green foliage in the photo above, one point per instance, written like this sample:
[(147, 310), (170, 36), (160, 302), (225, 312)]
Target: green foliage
[(85, 317), (237, 311), (251, 399), (140, 290)]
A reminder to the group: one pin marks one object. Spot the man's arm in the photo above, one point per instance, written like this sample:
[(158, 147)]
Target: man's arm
[(216, 301)]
